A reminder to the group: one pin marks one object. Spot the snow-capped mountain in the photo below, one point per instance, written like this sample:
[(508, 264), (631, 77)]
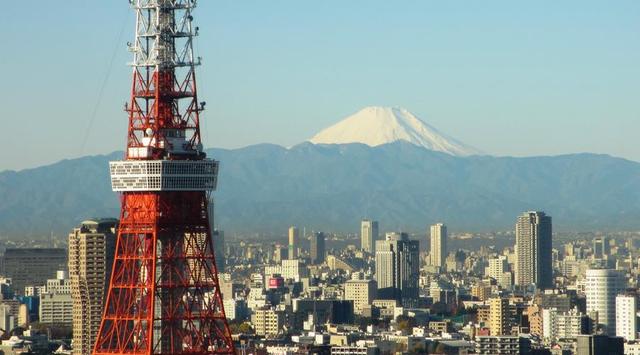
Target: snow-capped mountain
[(375, 126)]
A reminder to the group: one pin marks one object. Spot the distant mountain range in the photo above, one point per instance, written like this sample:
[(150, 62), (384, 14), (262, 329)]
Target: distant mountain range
[(265, 188), (380, 163)]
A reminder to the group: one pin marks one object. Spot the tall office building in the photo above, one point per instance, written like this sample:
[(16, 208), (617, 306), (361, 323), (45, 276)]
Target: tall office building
[(219, 247), (317, 248), (33, 266), (294, 237), (91, 249), (438, 253), (533, 250), (217, 237), (602, 286), (368, 235), (626, 316), (397, 268), (601, 247)]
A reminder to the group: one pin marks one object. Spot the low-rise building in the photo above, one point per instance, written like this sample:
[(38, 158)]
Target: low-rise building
[(502, 345)]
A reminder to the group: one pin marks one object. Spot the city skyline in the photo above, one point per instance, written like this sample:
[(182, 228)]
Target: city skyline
[(572, 76), (319, 256)]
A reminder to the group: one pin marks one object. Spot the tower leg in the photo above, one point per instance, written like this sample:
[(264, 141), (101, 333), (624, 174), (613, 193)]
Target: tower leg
[(164, 295)]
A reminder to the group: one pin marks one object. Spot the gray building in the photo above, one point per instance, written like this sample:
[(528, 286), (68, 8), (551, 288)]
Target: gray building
[(33, 266), (317, 248), (533, 250), (219, 246), (398, 268), (601, 247), (599, 345)]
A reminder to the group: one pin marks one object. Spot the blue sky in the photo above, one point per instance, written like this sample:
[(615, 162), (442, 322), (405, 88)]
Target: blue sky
[(510, 78)]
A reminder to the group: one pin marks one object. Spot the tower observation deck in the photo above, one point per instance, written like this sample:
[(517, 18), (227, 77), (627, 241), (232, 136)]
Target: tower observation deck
[(164, 295)]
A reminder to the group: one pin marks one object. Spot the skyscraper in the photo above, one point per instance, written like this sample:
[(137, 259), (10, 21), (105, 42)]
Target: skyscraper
[(533, 250), (601, 247), (368, 235), (91, 249), (317, 248), (438, 253), (219, 247), (294, 236), (602, 286), (397, 268), (217, 237)]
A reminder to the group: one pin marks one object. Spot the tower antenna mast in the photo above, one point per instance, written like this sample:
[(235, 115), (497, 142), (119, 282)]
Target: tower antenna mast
[(164, 295)]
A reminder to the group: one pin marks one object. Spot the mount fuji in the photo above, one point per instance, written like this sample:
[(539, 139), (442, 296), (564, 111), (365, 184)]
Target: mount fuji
[(376, 126)]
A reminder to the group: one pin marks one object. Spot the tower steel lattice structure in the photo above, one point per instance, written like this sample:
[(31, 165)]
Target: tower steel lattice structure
[(164, 295)]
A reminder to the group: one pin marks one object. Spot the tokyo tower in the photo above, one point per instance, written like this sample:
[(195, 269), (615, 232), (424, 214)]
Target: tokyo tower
[(164, 296)]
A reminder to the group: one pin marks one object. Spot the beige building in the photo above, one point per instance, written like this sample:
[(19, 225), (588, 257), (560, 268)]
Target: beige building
[(91, 250), (499, 316), (294, 241), (268, 322), (438, 252), (23, 316), (361, 292), (368, 235), (482, 291)]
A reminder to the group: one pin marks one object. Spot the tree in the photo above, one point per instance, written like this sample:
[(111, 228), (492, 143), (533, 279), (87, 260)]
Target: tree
[(405, 323)]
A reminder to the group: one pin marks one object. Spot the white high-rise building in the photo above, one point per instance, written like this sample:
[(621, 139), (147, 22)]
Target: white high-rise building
[(626, 316), (602, 286), (438, 253), (291, 269), (561, 325), (294, 237), (368, 235), (498, 269), (497, 266)]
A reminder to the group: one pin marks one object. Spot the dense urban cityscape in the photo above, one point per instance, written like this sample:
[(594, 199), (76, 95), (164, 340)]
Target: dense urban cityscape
[(371, 293)]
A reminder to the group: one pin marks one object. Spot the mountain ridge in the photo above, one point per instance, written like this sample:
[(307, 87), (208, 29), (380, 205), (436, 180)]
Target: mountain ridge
[(330, 187)]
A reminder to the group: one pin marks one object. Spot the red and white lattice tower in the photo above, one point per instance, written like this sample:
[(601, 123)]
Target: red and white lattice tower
[(164, 295)]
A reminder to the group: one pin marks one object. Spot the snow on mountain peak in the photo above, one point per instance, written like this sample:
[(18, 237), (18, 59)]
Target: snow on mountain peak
[(375, 126)]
